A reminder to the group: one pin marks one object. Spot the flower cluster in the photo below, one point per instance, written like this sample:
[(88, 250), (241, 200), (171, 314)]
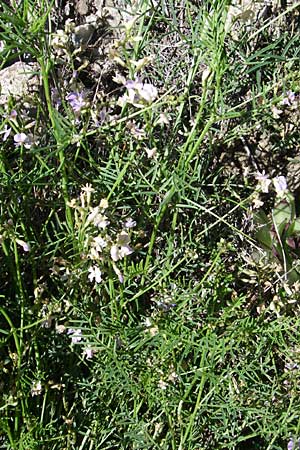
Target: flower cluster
[(78, 102), (138, 94), (289, 101), (78, 338), (102, 241), (290, 98), (263, 185), (20, 139)]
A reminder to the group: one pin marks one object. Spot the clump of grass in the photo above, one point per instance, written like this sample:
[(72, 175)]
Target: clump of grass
[(126, 319)]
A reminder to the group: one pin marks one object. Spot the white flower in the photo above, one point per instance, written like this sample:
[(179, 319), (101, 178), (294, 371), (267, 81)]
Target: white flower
[(36, 388), (95, 273), (280, 185), (263, 182), (60, 39), (114, 253), (99, 243), (150, 328), (6, 132), (138, 133), (103, 203), (147, 91), (151, 152), (142, 62), (163, 120), (162, 385), (88, 353), (99, 220), (257, 203), (88, 190), (60, 329), (173, 377), (93, 214), (94, 254), (121, 248), (147, 322)]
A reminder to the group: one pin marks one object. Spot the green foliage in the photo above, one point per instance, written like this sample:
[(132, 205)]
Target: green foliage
[(279, 234), (169, 347)]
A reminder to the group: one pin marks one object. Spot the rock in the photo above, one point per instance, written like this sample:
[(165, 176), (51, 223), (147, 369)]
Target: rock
[(83, 34), (18, 80), (82, 7)]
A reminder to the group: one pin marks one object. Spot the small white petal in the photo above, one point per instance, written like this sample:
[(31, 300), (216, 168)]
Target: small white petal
[(88, 352), (119, 273), (125, 250), (95, 273), (25, 245), (114, 253)]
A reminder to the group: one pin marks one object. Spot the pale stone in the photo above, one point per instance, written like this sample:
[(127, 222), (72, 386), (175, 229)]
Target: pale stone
[(18, 80)]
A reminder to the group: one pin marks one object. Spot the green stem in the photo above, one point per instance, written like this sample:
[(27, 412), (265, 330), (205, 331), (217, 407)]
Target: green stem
[(13, 330), (45, 68)]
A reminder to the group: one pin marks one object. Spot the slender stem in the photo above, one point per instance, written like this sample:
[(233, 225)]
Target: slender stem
[(45, 68)]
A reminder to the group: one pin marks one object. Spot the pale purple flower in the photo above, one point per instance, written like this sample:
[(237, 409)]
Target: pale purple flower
[(291, 366), (148, 92), (24, 245), (78, 101), (280, 185), (12, 115), (130, 223), (289, 98), (292, 445), (138, 94), (103, 115), (22, 139), (76, 335)]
